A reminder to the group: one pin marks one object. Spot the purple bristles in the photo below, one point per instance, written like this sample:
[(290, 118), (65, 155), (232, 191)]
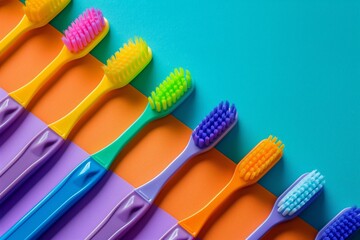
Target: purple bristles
[(342, 226), (214, 125), (83, 30)]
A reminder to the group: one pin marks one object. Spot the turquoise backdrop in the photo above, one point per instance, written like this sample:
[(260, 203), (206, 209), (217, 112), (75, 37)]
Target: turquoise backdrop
[(291, 67)]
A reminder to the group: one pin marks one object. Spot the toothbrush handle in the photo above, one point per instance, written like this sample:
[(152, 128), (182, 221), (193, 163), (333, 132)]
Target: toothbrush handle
[(177, 233), (121, 218), (10, 110), (57, 202), (23, 26), (194, 223), (273, 219), (35, 154), (152, 188)]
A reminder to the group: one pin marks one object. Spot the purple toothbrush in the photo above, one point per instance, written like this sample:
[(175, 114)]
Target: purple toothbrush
[(130, 209)]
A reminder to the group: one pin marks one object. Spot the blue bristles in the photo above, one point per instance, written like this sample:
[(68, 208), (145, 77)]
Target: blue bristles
[(342, 226), (301, 194), (215, 125)]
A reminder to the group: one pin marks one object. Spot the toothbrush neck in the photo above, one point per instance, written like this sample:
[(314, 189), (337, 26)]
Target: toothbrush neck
[(195, 223), (24, 94), (273, 219), (150, 189), (24, 25), (64, 125), (106, 156)]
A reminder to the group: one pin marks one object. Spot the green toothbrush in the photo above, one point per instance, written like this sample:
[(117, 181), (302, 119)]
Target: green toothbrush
[(167, 96)]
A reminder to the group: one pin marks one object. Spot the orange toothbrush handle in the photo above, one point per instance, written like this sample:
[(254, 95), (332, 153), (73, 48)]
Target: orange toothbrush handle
[(194, 223)]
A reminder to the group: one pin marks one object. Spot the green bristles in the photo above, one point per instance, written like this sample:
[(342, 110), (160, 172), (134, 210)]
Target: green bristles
[(170, 90)]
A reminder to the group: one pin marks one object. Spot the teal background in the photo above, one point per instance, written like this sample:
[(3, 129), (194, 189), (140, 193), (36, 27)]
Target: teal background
[(291, 67)]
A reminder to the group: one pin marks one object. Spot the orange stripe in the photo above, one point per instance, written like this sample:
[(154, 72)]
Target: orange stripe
[(151, 150)]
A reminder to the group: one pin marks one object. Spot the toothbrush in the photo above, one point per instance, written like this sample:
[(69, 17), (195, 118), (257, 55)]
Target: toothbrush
[(167, 96), (80, 38), (342, 226), (121, 68), (250, 170), (134, 206), (37, 14), (292, 202)]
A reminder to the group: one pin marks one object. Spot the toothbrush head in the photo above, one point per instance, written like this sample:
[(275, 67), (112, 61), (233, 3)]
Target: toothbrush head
[(260, 160), (85, 32), (42, 11), (342, 226), (128, 62), (215, 125), (300, 194), (171, 92)]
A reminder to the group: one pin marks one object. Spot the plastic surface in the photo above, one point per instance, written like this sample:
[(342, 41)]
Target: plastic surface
[(125, 65), (275, 217), (122, 218), (25, 25), (194, 223), (57, 202), (35, 154), (10, 110), (108, 154), (257, 163), (199, 181), (177, 233), (342, 226), (25, 93), (151, 189), (64, 125)]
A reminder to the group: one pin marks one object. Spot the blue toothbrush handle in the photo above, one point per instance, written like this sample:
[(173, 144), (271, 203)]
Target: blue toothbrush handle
[(122, 218), (177, 233), (35, 154), (58, 201), (10, 110)]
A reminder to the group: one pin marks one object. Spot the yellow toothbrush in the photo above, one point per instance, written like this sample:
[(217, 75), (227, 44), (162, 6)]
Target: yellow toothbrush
[(37, 14)]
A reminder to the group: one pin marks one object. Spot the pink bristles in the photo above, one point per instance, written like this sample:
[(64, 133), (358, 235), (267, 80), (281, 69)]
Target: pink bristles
[(83, 30)]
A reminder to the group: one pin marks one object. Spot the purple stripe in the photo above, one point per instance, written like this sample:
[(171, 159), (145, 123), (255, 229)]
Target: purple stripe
[(82, 219), (14, 139)]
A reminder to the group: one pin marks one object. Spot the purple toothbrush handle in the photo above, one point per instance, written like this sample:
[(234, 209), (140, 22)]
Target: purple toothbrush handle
[(32, 157), (270, 222), (123, 217), (177, 233), (10, 110)]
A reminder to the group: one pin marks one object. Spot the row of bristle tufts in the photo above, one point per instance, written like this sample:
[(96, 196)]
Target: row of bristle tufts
[(126, 63), (83, 30), (301, 193), (258, 161), (170, 90), (220, 119), (40, 10), (344, 226)]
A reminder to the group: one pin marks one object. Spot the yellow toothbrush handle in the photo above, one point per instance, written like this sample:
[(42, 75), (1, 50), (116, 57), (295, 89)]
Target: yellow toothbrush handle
[(64, 125), (24, 25), (24, 94), (194, 223)]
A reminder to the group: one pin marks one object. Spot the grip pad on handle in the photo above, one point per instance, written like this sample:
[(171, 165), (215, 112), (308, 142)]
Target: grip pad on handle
[(10, 110), (58, 201), (177, 233), (122, 218), (31, 158)]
